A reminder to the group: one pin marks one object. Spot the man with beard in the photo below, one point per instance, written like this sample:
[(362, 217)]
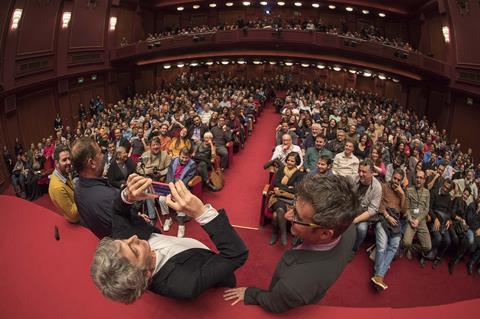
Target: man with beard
[(60, 188), (93, 194)]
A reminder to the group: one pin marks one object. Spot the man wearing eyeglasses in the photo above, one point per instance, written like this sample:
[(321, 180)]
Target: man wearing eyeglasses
[(322, 217)]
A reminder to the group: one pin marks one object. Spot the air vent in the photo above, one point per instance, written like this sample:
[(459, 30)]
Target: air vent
[(85, 57), (33, 66), (469, 75)]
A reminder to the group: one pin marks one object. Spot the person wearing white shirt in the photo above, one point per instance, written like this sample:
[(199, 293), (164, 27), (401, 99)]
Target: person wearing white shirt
[(345, 163), (281, 151)]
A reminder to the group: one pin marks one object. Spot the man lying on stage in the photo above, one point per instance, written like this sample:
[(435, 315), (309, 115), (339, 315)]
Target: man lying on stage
[(138, 257), (322, 217)]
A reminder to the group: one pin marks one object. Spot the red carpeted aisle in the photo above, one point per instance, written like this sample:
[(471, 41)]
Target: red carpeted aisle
[(44, 278)]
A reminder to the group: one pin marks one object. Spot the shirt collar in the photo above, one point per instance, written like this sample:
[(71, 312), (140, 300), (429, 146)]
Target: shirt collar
[(60, 176)]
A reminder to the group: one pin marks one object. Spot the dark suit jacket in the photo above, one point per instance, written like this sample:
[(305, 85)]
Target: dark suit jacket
[(303, 276), (125, 143), (191, 272), (115, 176), (203, 129)]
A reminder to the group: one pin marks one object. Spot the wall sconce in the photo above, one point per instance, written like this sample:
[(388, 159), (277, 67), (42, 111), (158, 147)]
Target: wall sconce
[(446, 33), (17, 15), (66, 19), (113, 23)]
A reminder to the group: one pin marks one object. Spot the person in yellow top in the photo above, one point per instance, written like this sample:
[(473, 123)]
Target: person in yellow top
[(61, 186), (179, 142)]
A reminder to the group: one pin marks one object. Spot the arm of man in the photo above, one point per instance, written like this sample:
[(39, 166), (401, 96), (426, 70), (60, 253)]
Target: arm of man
[(66, 204)]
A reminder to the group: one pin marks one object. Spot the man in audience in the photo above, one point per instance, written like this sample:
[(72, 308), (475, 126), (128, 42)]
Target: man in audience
[(369, 192), (222, 134), (314, 153), (120, 140), (468, 181), (435, 179), (305, 273), (338, 145), (310, 140), (165, 140), (60, 187), (281, 151), (120, 168), (197, 130), (345, 163), (138, 257), (154, 164), (388, 229), (417, 208), (284, 128), (324, 167), (93, 195)]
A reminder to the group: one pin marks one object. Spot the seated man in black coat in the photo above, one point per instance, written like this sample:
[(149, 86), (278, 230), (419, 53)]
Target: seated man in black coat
[(120, 168), (142, 258), (322, 217)]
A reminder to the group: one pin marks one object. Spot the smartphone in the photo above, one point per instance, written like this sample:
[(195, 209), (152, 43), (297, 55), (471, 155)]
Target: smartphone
[(161, 189)]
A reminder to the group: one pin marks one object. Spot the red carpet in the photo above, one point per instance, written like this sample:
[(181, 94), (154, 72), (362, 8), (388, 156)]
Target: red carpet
[(44, 278)]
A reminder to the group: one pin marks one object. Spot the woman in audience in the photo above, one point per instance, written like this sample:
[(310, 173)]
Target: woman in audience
[(179, 142), (379, 166), (361, 148), (283, 196), (204, 155), (331, 131)]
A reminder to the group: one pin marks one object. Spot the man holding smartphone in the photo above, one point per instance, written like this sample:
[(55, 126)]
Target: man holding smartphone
[(139, 257)]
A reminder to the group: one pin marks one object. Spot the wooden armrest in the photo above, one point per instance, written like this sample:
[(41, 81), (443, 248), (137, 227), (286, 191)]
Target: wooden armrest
[(194, 181), (265, 189)]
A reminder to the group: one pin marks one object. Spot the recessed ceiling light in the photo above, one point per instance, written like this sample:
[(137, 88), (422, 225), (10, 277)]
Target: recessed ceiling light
[(229, 4), (395, 80), (180, 8), (288, 63), (315, 5), (337, 68), (349, 9), (196, 6), (167, 66), (180, 65), (225, 62), (281, 3), (382, 15), (241, 62), (352, 71), (382, 77), (263, 3), (246, 3), (212, 5), (257, 62), (273, 62), (367, 74), (320, 66), (298, 4), (365, 11), (209, 63), (305, 65), (331, 6), (193, 64)]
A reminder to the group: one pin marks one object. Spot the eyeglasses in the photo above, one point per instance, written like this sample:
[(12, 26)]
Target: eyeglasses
[(296, 219)]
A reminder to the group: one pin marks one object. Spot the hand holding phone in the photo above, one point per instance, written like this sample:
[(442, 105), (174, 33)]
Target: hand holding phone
[(161, 189)]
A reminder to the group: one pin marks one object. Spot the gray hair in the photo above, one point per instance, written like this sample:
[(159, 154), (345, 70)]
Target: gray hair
[(333, 200), (114, 275)]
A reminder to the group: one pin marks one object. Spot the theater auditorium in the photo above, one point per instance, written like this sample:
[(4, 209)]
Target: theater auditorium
[(214, 159)]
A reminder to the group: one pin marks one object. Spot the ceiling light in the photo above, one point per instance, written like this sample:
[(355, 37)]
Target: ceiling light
[(367, 74), (365, 11), (395, 80), (305, 65), (241, 62), (337, 68), (298, 4), (331, 7), (352, 71), (382, 15), (196, 6), (180, 8), (194, 64), (281, 3), (180, 65), (349, 9), (257, 62), (167, 66), (321, 66), (288, 63), (113, 23), (382, 77), (212, 5), (209, 63), (225, 62), (263, 3), (315, 5), (229, 4), (245, 3), (273, 62)]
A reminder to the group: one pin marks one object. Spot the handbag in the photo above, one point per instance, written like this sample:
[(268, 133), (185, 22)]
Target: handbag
[(216, 178)]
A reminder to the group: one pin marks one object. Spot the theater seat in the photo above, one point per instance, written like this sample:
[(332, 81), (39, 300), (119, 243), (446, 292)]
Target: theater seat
[(229, 146), (195, 184)]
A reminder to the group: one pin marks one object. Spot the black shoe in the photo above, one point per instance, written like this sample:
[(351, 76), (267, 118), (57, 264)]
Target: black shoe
[(451, 265), (470, 269), (273, 239), (436, 262)]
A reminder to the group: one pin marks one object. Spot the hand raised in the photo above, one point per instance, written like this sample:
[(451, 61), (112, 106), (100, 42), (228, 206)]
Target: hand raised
[(181, 199), (136, 187)]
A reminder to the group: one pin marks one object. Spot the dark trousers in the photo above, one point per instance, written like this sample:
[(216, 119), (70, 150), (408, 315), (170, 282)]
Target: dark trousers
[(441, 240)]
